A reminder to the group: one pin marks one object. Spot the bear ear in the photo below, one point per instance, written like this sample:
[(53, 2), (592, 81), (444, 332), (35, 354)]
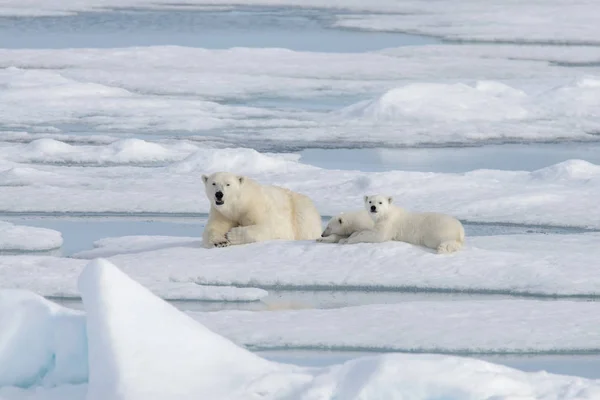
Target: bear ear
[(390, 199), (366, 198), (340, 220), (241, 179), (205, 178)]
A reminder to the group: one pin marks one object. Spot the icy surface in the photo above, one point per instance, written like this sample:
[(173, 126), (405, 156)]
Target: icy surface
[(59, 276), (25, 238), (534, 264), (480, 195), (490, 93), (485, 326), (190, 360), (183, 359), (41, 343), (461, 20), (126, 151)]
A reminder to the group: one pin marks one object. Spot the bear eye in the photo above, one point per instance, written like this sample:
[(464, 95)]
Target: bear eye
[(370, 202), (340, 220), (228, 184), (214, 184), (380, 203)]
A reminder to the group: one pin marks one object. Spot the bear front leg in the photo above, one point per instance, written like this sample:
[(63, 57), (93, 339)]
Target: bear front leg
[(333, 238), (368, 236), (247, 234), (215, 230)]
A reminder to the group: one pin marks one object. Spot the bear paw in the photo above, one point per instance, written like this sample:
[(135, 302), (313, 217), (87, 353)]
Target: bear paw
[(223, 243), (327, 239), (343, 241)]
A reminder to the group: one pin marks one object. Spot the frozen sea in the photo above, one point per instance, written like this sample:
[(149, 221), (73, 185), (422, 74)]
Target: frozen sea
[(111, 111)]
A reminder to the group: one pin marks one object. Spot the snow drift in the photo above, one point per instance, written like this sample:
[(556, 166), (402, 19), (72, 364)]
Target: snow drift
[(140, 347)]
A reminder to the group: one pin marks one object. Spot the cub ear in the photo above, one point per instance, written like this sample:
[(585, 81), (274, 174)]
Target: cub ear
[(366, 198), (340, 220), (241, 179), (390, 199), (205, 178)]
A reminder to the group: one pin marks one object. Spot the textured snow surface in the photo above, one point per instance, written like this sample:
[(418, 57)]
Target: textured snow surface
[(535, 264), (536, 197), (59, 276), (26, 238), (435, 94), (138, 347)]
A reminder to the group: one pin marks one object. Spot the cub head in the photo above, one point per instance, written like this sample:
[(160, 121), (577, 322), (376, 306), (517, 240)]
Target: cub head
[(222, 189), (378, 206), (337, 225)]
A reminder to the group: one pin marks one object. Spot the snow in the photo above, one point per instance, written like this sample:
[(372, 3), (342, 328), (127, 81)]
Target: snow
[(24, 271), (41, 343), (126, 151), (532, 264), (25, 238), (487, 101), (482, 195), (184, 359), (469, 327), (215, 96), (190, 360)]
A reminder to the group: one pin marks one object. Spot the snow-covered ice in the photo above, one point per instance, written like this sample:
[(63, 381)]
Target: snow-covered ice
[(471, 327), (15, 238), (491, 93), (41, 343), (125, 151), (545, 265), (183, 359), (55, 277), (537, 197), (459, 20)]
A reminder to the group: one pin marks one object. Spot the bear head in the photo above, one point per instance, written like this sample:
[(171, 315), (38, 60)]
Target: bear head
[(378, 206), (337, 225), (223, 190)]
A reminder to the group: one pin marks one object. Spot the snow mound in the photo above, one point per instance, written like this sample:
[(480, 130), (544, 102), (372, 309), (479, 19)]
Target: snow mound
[(173, 357), (487, 101), (27, 238), (140, 348), (580, 98), (568, 170), (240, 160), (41, 343), (125, 151), (48, 147)]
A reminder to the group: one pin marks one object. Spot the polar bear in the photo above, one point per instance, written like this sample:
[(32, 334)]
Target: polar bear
[(437, 231), (340, 227), (244, 211)]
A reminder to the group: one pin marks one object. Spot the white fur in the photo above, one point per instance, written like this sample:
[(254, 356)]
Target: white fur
[(252, 212), (437, 231), (340, 227)]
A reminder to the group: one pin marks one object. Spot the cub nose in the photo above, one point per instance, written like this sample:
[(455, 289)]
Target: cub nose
[(219, 195), (373, 208)]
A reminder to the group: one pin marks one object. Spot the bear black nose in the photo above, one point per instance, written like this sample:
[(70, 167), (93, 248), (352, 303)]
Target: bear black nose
[(322, 235), (373, 208), (219, 195)]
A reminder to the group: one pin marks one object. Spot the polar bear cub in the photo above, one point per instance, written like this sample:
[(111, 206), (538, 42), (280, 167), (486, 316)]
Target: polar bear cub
[(340, 227), (244, 211), (437, 231)]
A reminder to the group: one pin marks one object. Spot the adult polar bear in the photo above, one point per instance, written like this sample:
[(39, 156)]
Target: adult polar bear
[(244, 211), (437, 231)]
